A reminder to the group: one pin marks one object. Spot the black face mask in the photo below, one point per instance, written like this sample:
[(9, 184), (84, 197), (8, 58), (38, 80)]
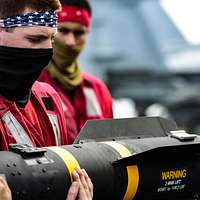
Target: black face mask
[(19, 69)]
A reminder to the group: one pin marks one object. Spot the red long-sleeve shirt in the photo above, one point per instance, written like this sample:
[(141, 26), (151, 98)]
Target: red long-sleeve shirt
[(90, 100), (40, 123)]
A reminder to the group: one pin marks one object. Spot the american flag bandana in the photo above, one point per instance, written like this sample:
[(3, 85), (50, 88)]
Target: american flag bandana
[(47, 18)]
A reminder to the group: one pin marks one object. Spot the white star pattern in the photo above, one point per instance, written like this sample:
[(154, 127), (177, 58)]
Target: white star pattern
[(48, 18)]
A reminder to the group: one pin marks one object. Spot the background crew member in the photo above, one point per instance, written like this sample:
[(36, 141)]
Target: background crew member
[(83, 96)]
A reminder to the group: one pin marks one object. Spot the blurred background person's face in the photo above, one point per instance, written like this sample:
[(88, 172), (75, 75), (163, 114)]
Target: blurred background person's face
[(72, 34), (69, 42)]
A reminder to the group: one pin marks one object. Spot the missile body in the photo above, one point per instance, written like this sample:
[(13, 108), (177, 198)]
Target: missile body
[(165, 167), (166, 173)]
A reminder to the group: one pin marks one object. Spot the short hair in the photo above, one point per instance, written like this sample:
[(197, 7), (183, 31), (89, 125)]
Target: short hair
[(79, 3), (10, 8)]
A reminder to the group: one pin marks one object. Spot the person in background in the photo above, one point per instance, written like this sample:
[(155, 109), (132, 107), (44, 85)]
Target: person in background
[(83, 96), (31, 112)]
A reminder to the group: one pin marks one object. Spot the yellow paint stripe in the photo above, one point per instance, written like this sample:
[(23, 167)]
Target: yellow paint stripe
[(132, 171), (69, 160)]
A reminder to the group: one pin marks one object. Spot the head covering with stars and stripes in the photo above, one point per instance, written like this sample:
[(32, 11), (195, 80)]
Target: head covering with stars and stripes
[(47, 18)]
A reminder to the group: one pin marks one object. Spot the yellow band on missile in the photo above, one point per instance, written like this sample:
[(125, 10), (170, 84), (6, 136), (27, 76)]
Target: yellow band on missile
[(69, 160), (132, 171)]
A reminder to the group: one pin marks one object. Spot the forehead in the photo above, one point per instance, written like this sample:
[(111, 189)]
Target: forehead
[(72, 25)]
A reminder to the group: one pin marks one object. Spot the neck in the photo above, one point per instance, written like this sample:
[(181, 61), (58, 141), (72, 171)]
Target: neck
[(20, 99), (68, 77)]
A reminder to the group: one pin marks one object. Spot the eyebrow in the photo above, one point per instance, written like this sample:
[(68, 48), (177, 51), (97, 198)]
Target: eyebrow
[(72, 29), (39, 35)]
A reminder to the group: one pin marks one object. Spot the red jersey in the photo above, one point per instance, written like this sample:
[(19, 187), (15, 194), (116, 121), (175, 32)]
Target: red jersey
[(40, 123), (90, 100)]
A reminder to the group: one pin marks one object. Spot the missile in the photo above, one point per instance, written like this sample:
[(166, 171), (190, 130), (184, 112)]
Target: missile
[(126, 159)]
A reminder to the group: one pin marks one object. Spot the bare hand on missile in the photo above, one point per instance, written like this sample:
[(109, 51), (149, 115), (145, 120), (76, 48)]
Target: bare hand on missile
[(82, 187), (5, 193)]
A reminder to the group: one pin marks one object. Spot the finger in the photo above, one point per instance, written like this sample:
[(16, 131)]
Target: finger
[(3, 182), (5, 192), (84, 187), (82, 179), (73, 191), (82, 192), (75, 175), (89, 183), (2, 186)]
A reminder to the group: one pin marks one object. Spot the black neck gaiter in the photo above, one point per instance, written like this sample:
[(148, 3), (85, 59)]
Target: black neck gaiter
[(19, 69)]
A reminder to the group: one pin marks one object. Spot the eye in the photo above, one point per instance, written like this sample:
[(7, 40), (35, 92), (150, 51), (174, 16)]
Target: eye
[(63, 30), (34, 40), (79, 33), (37, 39)]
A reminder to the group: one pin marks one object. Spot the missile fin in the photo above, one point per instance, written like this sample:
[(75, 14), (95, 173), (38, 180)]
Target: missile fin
[(113, 129)]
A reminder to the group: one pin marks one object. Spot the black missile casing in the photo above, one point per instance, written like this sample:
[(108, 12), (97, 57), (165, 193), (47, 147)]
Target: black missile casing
[(154, 168), (47, 177), (31, 179)]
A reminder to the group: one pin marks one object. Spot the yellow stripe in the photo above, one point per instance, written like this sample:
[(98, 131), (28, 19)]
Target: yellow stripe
[(132, 171), (70, 161)]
